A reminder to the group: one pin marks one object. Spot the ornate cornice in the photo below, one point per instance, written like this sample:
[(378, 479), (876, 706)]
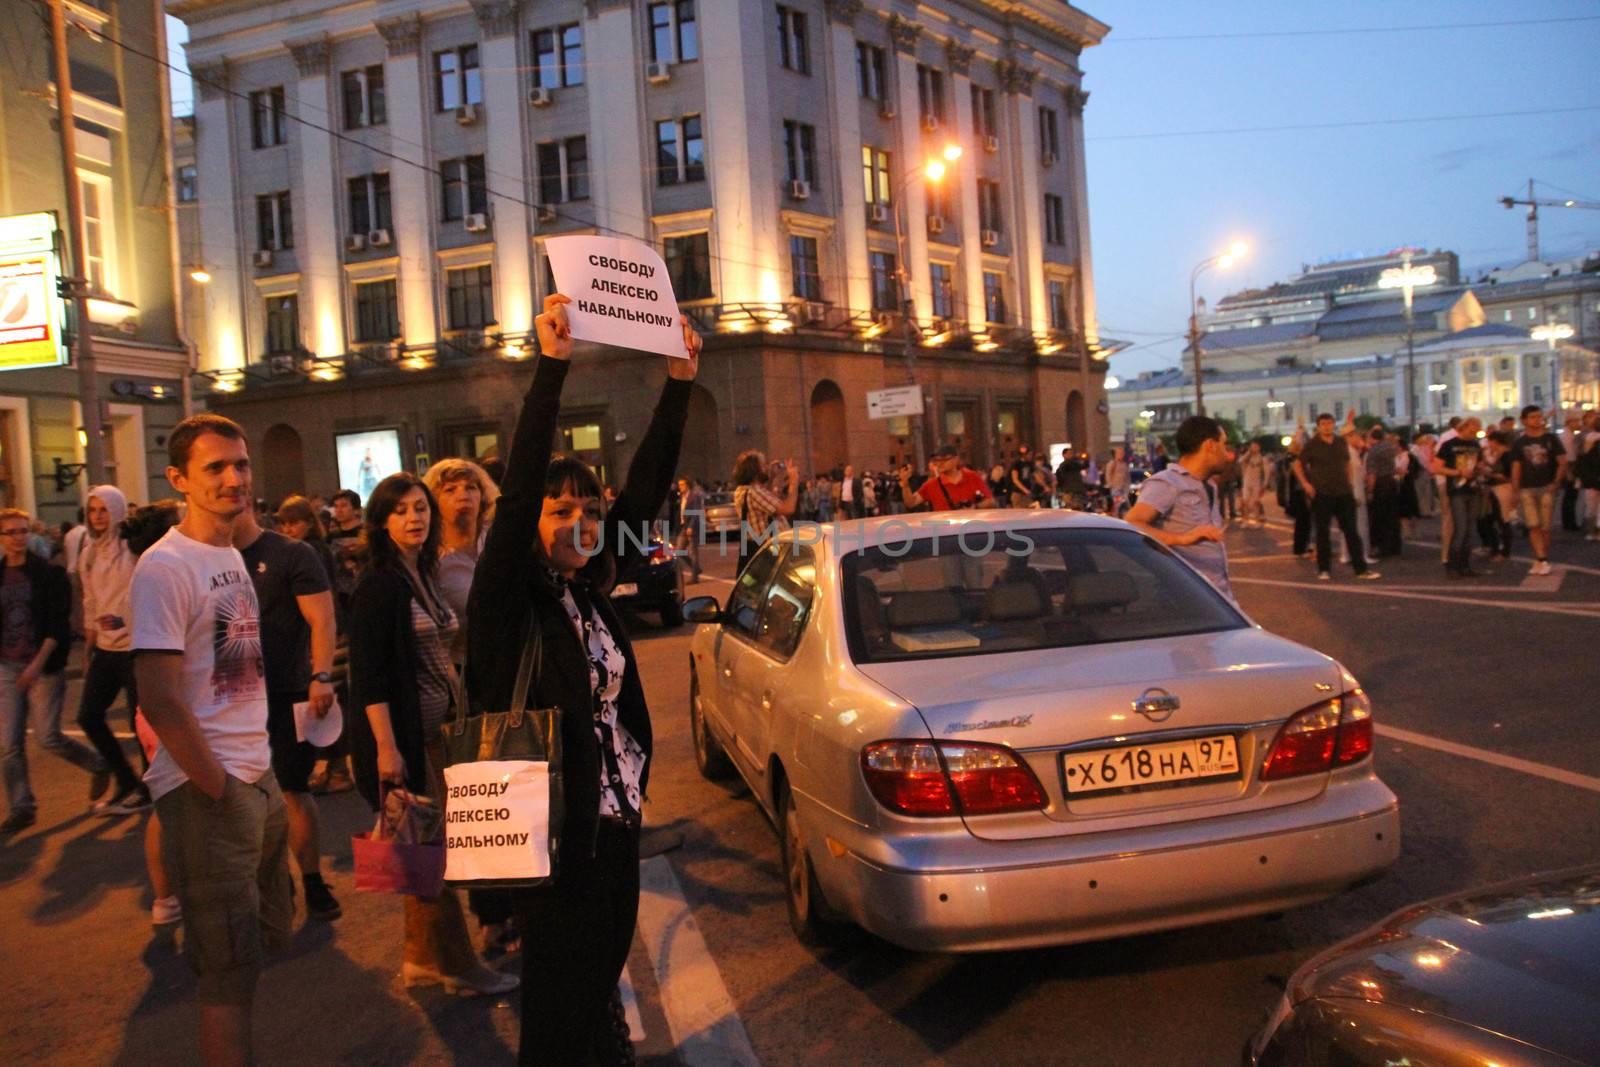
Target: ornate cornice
[(844, 11), (958, 56), (1015, 77), (310, 55), (903, 33), (498, 18), (401, 36), (1076, 99), (210, 80)]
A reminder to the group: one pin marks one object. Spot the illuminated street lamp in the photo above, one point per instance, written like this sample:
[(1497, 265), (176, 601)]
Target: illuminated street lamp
[(1235, 252), (1551, 333), (200, 276), (1437, 389), (1407, 278)]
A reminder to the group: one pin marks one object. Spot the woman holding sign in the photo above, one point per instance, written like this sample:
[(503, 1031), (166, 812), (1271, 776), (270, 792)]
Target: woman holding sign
[(551, 553)]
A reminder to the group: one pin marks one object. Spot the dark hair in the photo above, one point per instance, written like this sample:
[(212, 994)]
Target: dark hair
[(347, 494), (1194, 432), (299, 509), (180, 442), (1501, 438), (381, 550), (1531, 409), (145, 526), (1325, 415), (1375, 433), (571, 474), (751, 466)]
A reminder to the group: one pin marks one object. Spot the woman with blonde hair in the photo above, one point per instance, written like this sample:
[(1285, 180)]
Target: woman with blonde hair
[(466, 497)]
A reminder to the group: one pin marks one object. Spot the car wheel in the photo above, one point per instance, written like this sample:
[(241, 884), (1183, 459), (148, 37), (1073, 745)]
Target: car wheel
[(809, 915), (709, 758)]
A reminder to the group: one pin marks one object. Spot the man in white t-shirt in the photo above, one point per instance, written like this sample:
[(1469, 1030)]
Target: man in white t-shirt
[(202, 689)]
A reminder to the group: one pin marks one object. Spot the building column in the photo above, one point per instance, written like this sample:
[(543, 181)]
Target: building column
[(912, 198), (1027, 215), (618, 170), (958, 58), (505, 163), (224, 251), (1087, 317), (852, 210), (321, 266), (744, 183), (411, 206)]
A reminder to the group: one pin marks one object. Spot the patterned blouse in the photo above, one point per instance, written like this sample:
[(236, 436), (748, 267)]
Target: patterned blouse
[(434, 627), (621, 758)]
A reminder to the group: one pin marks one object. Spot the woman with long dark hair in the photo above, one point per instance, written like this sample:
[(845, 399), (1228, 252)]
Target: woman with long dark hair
[(546, 569), (402, 679)]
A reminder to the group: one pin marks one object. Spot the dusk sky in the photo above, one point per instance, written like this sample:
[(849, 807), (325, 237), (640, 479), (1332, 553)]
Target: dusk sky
[(1342, 170)]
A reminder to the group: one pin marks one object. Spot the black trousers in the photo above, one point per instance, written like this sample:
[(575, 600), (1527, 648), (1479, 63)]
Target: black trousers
[(1383, 517), (1300, 511), (1569, 507), (1325, 510), (107, 674), (575, 939)]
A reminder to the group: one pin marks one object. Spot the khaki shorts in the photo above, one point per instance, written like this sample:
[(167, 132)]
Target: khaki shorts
[(229, 862), (1539, 507)]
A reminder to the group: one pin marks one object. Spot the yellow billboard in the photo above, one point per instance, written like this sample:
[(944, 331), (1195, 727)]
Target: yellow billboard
[(31, 311)]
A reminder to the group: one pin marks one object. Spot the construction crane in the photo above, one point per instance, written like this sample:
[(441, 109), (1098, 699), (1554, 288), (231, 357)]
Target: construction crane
[(1533, 204)]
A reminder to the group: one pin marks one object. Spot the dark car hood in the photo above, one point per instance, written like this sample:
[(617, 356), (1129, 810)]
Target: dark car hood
[(1519, 958)]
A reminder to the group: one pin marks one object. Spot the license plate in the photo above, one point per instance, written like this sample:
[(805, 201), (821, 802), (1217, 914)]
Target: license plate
[(626, 589), (1138, 766)]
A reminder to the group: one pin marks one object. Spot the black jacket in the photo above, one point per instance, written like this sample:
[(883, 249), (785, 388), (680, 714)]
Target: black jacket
[(383, 670), (512, 580), (51, 605)]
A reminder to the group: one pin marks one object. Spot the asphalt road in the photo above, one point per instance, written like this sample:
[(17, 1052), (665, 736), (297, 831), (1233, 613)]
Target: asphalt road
[(1505, 665)]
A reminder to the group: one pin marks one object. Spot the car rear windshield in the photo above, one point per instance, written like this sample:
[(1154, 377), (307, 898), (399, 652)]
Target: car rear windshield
[(976, 593)]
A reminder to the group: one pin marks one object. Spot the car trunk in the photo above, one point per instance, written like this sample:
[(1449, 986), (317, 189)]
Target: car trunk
[(1053, 706)]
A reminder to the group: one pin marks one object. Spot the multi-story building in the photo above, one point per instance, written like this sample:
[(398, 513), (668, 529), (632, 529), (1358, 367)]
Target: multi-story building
[(119, 102), (377, 180)]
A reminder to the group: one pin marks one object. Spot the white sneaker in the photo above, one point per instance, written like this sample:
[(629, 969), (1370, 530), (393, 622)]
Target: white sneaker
[(1542, 567), (1324, 576), (166, 911), (1368, 576)]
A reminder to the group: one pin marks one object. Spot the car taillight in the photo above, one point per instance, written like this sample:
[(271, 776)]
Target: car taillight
[(949, 778), (1324, 736), (660, 552)]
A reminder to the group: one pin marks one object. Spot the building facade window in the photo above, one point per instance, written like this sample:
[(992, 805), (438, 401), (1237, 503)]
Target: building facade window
[(283, 324), (1388, 406), (1049, 135), (876, 175), (806, 267), (463, 188), (369, 203), (680, 151), (793, 50), (564, 170), (558, 57), (188, 184), (994, 296), (871, 65), (983, 117), (930, 94), (800, 150), (364, 103), (274, 222), (885, 281), (456, 78), (989, 205), (688, 259), (1055, 220), (1056, 298), (939, 199), (377, 311), (941, 278), (99, 243), (469, 297), (269, 118), (674, 33)]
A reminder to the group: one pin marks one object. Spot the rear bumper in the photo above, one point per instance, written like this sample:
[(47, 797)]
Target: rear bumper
[(1264, 862), (658, 585)]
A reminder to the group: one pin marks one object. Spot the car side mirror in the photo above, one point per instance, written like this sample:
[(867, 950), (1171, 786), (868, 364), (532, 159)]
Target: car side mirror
[(702, 609)]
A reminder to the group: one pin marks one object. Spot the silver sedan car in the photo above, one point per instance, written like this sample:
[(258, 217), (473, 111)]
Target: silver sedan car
[(996, 729)]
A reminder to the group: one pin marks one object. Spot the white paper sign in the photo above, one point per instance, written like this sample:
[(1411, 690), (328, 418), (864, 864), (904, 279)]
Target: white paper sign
[(890, 403), (497, 820), (620, 292), (319, 732)]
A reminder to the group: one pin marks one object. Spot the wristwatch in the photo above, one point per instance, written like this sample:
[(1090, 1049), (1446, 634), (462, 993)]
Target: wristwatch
[(322, 676)]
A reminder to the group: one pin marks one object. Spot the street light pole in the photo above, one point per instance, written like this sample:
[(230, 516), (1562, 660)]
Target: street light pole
[(1407, 279), (1222, 259)]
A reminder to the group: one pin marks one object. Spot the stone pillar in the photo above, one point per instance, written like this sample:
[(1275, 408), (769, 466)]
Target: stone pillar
[(411, 205), (1087, 319), (320, 237), (618, 170), (505, 163), (852, 211), (913, 194), (1025, 210), (224, 250), (958, 58)]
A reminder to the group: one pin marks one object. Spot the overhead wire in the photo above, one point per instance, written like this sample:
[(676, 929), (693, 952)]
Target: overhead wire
[(1339, 31)]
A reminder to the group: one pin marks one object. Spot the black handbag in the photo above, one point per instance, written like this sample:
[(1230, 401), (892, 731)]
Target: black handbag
[(518, 733)]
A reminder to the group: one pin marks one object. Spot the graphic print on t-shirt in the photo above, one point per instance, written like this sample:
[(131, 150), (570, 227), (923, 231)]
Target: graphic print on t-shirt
[(237, 668), (17, 643)]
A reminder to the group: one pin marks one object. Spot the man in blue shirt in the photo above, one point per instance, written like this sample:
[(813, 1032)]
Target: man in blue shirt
[(1178, 506)]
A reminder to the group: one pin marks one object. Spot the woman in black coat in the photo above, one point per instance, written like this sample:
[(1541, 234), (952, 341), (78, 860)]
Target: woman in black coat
[(547, 565)]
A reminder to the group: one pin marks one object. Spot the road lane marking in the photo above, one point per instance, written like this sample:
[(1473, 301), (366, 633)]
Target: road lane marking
[(1483, 755), (705, 1024), (1545, 583), (1368, 590)]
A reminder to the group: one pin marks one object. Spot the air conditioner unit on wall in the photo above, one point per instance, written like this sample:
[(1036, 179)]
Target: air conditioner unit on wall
[(886, 109), (264, 257), (539, 96), (877, 212), (547, 213), (1048, 159), (935, 223), (477, 222), (355, 242), (657, 73), (991, 143), (799, 189), (930, 122), (379, 239), (990, 238), (809, 311), (467, 114)]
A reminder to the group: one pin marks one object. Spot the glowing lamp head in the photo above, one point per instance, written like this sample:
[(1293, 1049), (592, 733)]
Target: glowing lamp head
[(1238, 250), (1286, 440), (934, 170), (952, 152), (200, 276)]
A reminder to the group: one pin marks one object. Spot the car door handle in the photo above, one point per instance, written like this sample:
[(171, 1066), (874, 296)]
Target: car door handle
[(766, 700)]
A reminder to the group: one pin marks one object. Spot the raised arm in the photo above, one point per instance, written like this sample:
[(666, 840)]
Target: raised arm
[(655, 461)]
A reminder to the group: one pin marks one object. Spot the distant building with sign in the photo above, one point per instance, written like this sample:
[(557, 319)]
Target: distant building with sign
[(120, 103), (374, 185)]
